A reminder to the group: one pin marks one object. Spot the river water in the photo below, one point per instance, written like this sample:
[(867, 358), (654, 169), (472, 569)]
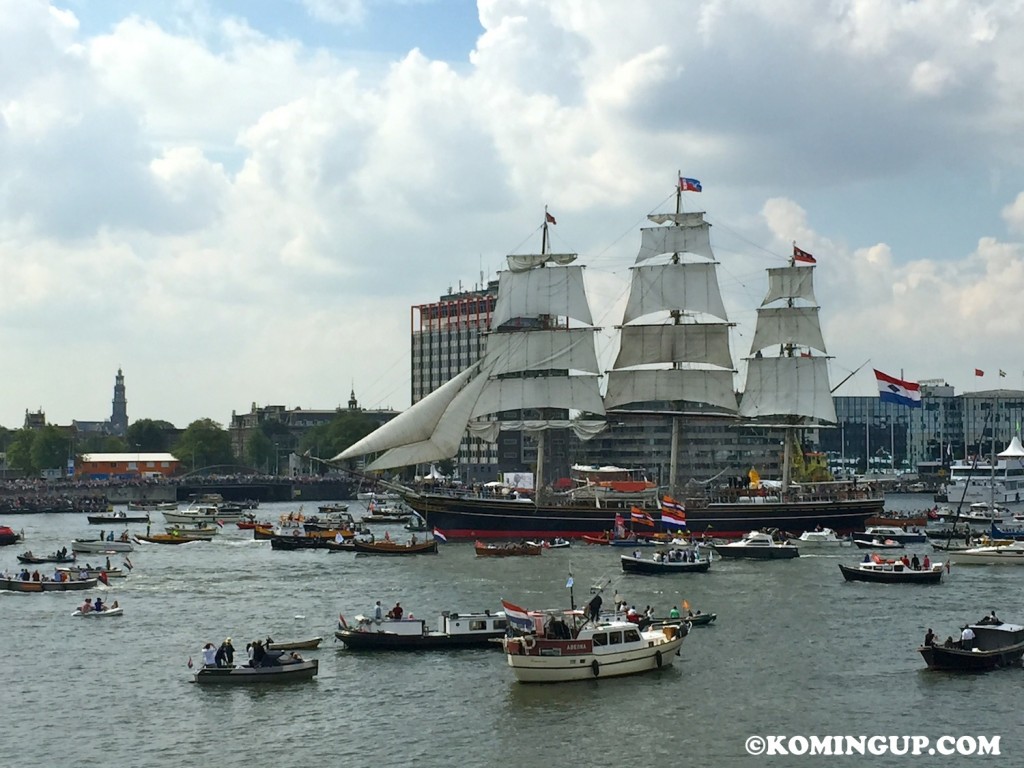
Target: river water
[(795, 651)]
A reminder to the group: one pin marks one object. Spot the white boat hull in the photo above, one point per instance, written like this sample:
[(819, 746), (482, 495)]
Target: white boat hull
[(99, 614), (186, 517), (101, 546), (1008, 555)]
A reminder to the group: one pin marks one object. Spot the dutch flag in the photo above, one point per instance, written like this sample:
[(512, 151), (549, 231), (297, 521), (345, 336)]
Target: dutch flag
[(518, 617), (439, 535), (893, 390)]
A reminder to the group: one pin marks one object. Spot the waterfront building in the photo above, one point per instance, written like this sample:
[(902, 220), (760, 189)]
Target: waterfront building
[(288, 425), (125, 466)]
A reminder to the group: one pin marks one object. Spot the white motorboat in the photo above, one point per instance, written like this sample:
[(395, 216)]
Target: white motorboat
[(105, 613), (979, 513), (981, 481), (1010, 554), (100, 545), (758, 545), (822, 537), (884, 532), (205, 513), (607, 648)]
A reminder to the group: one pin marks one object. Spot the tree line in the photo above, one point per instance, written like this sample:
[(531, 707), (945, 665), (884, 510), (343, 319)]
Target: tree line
[(203, 443)]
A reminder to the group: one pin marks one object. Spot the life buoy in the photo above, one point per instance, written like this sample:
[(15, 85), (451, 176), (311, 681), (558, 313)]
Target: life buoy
[(657, 659), (529, 642), (595, 667)]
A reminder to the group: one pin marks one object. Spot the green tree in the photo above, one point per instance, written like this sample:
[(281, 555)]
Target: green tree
[(150, 436), (343, 430), (19, 451), (259, 451), (50, 448), (204, 443)]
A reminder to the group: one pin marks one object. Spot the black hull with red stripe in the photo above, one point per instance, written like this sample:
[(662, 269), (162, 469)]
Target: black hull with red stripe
[(466, 517)]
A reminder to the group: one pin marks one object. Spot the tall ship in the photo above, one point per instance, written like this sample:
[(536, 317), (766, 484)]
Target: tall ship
[(540, 371)]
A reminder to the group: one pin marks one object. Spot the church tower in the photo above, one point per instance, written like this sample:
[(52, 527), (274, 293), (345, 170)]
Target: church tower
[(119, 416)]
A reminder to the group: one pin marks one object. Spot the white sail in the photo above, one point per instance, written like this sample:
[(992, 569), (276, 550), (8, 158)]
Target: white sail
[(788, 326), (788, 386), (542, 291), (710, 386), (524, 262), (564, 392), (689, 235), (568, 348), (706, 343), (429, 430), (691, 287), (790, 283)]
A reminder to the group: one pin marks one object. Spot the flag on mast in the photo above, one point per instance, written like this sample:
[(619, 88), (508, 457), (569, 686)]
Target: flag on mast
[(898, 391)]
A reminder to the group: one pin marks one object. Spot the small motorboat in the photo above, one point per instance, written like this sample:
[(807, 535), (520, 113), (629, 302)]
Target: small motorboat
[(556, 543), (116, 518), (994, 645), (669, 561), (878, 543), (28, 557), (823, 537), (454, 630), (759, 545), (878, 570), (98, 545), (276, 667), (106, 612)]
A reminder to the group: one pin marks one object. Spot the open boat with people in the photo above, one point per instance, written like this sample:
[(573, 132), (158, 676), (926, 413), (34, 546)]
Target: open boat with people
[(555, 543), (56, 557), (879, 570), (171, 538), (508, 549), (453, 630), (276, 667), (548, 649), (667, 561), (104, 613), (45, 584), (389, 547), (990, 645)]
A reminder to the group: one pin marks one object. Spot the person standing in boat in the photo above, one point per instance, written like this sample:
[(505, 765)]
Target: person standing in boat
[(594, 608), (210, 656), (378, 612), (397, 612), (967, 638), (915, 563)]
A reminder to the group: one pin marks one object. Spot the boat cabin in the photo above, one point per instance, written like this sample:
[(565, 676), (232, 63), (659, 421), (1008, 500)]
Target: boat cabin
[(448, 623)]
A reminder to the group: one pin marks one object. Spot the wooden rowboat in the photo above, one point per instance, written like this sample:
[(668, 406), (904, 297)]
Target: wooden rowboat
[(393, 548), (296, 645), (506, 550)]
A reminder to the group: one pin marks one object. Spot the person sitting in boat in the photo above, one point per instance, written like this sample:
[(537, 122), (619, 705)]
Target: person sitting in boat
[(115, 606), (86, 606), (929, 637), (632, 615), (124, 536), (110, 536), (949, 642), (990, 619), (673, 613), (35, 575), (97, 605), (210, 656)]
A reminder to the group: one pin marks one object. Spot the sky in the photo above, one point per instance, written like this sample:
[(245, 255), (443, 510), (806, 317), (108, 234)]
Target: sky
[(237, 203)]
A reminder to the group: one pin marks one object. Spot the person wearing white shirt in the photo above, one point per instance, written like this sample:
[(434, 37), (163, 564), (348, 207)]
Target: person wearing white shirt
[(209, 655), (967, 639)]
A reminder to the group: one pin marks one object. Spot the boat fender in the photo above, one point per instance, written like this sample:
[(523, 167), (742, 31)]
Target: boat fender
[(529, 642), (657, 659), (595, 667)]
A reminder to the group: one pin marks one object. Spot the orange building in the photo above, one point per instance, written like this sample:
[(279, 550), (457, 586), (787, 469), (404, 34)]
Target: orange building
[(108, 466)]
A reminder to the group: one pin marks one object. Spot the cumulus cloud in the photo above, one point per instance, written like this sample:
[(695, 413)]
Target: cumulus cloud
[(212, 192)]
